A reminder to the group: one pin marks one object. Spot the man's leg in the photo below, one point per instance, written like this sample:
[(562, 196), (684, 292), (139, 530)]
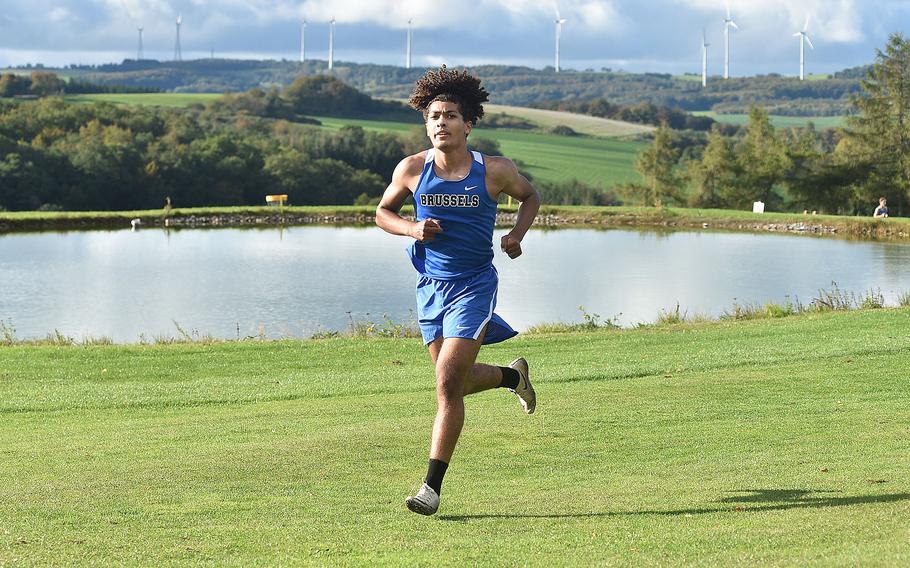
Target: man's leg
[(454, 367), (457, 375), (454, 360), (485, 377), (482, 377)]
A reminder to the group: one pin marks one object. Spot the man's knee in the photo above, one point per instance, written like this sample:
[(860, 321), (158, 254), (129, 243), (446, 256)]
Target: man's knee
[(449, 383)]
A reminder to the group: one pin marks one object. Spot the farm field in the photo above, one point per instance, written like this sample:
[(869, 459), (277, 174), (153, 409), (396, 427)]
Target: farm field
[(581, 123), (776, 442), (779, 121), (146, 99), (547, 157)]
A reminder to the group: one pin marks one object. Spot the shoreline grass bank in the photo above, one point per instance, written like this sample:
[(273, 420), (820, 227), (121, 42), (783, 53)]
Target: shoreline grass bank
[(833, 300), (554, 216)]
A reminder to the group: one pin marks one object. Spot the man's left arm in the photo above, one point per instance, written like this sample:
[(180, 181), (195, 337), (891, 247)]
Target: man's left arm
[(512, 183)]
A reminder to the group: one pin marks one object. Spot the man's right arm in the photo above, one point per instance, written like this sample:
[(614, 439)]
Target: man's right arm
[(387, 216)]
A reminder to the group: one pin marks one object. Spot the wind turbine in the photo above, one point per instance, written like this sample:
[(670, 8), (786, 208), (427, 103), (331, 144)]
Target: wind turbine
[(178, 55), (803, 38), (303, 41), (331, 42), (704, 59), (728, 23), (408, 59), (139, 54), (559, 22)]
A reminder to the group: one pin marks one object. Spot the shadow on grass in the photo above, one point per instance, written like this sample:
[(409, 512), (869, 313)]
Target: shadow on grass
[(775, 495), (776, 499)]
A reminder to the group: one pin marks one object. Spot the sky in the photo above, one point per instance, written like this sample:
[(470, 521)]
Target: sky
[(660, 36)]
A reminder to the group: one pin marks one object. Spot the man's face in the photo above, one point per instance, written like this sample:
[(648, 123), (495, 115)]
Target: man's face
[(445, 125)]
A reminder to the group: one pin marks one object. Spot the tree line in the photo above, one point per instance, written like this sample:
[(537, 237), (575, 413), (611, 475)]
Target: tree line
[(841, 172), (641, 113), (45, 84), (58, 156), (232, 151), (319, 95)]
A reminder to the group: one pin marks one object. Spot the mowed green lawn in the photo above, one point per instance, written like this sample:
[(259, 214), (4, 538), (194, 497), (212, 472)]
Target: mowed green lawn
[(781, 442), (547, 157)]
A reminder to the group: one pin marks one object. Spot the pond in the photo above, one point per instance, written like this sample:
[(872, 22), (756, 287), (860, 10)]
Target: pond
[(297, 281)]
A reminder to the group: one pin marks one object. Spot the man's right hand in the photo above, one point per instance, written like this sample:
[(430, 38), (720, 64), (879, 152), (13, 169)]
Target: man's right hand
[(426, 230)]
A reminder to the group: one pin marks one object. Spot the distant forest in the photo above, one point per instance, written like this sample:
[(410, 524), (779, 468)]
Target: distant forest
[(60, 156), (234, 150), (508, 84), (237, 148), (842, 171), (46, 84)]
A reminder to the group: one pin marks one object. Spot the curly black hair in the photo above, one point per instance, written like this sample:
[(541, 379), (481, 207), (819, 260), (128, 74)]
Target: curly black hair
[(459, 87)]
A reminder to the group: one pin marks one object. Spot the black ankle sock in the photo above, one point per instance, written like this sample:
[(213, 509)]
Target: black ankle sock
[(435, 473), (510, 378)]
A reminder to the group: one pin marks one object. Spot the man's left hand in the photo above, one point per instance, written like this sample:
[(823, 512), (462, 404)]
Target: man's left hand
[(511, 246)]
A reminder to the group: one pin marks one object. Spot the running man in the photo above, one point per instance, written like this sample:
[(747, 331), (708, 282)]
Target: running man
[(455, 193)]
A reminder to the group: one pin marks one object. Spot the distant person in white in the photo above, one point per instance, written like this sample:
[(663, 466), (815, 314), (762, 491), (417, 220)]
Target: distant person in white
[(882, 209)]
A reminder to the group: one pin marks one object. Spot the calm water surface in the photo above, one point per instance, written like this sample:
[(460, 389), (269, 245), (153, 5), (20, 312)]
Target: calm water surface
[(301, 280)]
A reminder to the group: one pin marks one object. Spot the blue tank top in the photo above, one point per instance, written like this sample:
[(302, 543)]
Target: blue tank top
[(466, 214)]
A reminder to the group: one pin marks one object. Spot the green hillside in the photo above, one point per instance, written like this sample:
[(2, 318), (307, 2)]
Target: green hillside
[(593, 160)]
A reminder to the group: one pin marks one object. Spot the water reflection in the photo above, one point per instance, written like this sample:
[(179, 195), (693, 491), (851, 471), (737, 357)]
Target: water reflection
[(299, 280)]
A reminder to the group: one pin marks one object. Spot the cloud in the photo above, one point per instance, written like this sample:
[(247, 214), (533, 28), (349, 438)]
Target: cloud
[(452, 14), (831, 21), (600, 15), (60, 15), (650, 35)]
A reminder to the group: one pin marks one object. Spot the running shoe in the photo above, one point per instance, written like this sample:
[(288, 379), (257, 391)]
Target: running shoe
[(524, 390), (425, 502)]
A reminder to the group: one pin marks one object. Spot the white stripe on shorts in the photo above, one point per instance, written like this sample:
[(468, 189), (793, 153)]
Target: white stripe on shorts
[(489, 315)]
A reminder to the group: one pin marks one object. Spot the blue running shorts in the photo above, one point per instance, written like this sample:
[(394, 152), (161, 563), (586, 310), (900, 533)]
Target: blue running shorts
[(461, 308)]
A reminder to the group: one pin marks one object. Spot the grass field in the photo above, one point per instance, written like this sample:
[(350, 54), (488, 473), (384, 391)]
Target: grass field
[(775, 442), (777, 120), (146, 99), (581, 123), (547, 157)]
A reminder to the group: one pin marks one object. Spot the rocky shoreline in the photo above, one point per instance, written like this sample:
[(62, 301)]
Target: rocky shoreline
[(846, 228)]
